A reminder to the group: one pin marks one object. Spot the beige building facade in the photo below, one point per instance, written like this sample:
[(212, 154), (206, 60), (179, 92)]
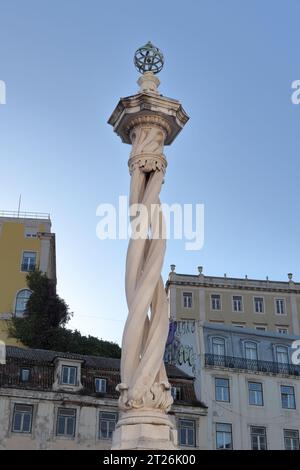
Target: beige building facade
[(52, 400), (264, 305)]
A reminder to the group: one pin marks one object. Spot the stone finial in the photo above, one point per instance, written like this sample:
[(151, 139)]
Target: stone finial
[(267, 278), (246, 276), (200, 269), (148, 83), (225, 274), (290, 276), (173, 267)]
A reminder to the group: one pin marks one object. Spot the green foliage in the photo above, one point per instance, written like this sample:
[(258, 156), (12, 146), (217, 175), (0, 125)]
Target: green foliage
[(73, 341), (43, 325)]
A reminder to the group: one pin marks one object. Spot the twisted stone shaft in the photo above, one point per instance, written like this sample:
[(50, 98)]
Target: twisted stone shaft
[(143, 375)]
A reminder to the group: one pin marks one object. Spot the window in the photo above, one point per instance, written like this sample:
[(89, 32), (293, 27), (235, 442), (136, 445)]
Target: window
[(224, 436), (66, 420), (282, 331), (261, 328), (187, 299), (259, 305), (218, 346), (100, 385), (187, 432), (282, 355), (176, 393), (30, 232), (24, 375), (291, 439), (22, 418), (68, 375), (237, 302), (258, 438), (107, 424), (251, 351), (238, 325), (222, 389), (288, 397), (21, 302), (28, 261), (280, 306), (255, 393), (216, 302)]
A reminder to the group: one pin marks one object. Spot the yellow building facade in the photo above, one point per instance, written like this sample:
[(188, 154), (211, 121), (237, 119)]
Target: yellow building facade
[(26, 244), (263, 305)]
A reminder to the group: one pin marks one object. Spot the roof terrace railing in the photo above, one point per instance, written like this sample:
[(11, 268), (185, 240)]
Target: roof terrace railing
[(25, 215)]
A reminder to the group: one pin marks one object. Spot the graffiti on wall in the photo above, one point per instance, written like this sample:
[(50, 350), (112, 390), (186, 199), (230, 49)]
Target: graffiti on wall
[(181, 346)]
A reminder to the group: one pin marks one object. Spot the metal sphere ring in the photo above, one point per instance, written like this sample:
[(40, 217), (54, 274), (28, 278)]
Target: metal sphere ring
[(148, 58)]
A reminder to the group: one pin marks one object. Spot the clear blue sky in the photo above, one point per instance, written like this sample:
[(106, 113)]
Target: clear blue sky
[(231, 63)]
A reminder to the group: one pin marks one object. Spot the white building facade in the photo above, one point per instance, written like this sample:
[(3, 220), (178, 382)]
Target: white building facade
[(247, 381)]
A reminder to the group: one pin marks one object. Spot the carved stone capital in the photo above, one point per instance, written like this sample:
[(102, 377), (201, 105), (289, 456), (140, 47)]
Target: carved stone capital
[(147, 163), (157, 397), (147, 135), (149, 120)]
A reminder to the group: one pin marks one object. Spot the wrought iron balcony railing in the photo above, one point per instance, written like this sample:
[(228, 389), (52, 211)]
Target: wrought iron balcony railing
[(230, 362)]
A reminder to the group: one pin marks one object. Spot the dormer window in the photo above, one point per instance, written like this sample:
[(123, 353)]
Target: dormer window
[(68, 375), (176, 393), (24, 375), (100, 385)]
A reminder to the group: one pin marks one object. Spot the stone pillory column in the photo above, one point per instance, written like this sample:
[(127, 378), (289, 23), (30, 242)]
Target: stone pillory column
[(147, 121)]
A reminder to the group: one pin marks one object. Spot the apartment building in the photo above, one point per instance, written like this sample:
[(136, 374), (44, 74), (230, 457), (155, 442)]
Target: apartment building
[(26, 243), (263, 305), (246, 378), (53, 400)]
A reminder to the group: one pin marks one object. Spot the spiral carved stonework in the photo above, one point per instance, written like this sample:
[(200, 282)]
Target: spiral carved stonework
[(144, 380), (148, 121)]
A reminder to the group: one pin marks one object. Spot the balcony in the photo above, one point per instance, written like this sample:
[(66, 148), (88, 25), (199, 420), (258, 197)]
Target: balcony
[(267, 367)]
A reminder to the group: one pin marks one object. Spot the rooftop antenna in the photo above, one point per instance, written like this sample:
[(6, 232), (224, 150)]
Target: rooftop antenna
[(19, 205)]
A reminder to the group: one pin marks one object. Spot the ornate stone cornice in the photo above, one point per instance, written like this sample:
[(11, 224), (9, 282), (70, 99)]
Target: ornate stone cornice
[(214, 285), (156, 105)]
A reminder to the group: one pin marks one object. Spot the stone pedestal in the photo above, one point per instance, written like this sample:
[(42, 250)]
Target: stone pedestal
[(144, 430)]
